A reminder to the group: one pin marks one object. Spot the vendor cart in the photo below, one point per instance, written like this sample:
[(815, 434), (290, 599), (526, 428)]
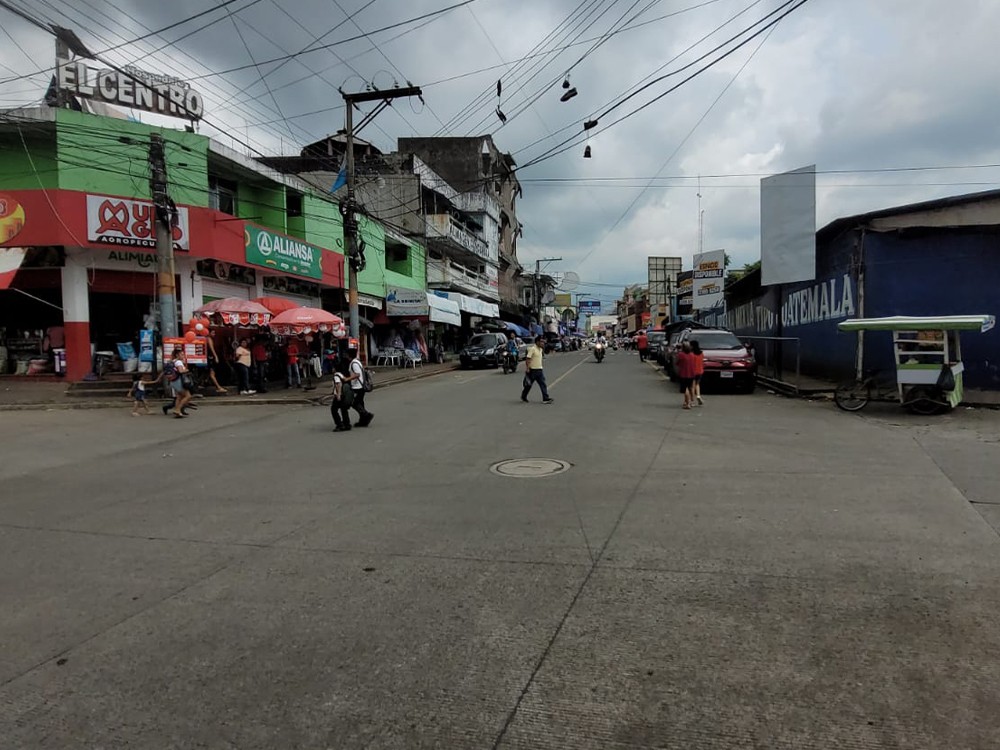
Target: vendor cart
[(928, 358)]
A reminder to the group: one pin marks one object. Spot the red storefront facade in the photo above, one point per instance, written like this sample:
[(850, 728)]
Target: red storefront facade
[(118, 232)]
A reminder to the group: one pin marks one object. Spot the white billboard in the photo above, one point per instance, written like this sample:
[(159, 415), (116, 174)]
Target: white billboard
[(708, 273), (788, 227)]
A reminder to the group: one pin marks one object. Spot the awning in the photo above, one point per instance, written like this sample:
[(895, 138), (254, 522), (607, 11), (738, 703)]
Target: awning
[(519, 330), (444, 310), (10, 260), (472, 305)]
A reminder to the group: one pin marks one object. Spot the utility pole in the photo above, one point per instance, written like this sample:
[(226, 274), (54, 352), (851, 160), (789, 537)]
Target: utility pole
[(164, 209), (355, 250), (538, 285)]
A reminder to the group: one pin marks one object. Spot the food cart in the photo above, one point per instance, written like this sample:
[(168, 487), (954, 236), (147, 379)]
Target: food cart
[(928, 358)]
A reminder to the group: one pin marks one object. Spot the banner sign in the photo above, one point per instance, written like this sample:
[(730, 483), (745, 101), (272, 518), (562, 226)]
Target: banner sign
[(281, 253), (685, 284), (589, 306), (196, 351), (365, 300), (130, 223), (401, 302), (709, 270), (128, 87)]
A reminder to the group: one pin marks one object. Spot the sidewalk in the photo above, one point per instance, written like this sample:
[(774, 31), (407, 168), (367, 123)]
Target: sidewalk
[(23, 394)]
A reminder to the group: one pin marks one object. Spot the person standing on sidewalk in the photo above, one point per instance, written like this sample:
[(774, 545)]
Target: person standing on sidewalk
[(292, 351), (642, 344), (259, 354), (533, 372), (356, 378), (243, 360)]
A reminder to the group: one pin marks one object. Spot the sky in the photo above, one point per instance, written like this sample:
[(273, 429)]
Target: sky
[(848, 85)]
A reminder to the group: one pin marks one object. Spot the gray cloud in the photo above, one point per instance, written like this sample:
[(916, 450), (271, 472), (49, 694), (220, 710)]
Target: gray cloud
[(845, 85)]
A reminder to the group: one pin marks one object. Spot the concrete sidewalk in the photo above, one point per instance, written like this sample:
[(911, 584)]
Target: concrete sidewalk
[(24, 394)]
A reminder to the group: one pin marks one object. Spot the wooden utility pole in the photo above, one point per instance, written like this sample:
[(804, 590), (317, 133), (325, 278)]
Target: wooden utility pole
[(164, 209), (355, 251)]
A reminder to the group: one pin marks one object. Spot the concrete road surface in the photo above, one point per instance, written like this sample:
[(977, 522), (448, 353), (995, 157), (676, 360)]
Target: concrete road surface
[(757, 573)]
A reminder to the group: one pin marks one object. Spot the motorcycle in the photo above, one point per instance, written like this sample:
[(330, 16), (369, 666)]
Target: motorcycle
[(508, 362), (599, 352)]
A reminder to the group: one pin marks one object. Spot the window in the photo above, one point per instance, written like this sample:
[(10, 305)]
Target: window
[(293, 203), (222, 195)]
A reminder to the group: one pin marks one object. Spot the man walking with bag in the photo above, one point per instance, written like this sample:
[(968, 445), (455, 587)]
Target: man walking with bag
[(533, 372), (357, 380)]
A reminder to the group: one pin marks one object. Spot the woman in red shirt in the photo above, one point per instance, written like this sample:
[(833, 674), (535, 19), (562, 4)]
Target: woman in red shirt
[(699, 370), (685, 368)]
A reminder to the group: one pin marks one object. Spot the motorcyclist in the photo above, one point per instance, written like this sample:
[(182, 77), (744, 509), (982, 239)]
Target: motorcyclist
[(511, 348)]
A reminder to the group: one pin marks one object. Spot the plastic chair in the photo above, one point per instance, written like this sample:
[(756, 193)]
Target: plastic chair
[(413, 359)]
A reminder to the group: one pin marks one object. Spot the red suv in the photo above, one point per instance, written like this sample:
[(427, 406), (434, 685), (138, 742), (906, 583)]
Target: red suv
[(727, 360)]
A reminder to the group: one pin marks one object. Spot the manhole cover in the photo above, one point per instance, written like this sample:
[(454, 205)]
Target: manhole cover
[(530, 468)]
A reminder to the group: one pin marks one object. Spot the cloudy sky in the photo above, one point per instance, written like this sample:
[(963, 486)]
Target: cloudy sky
[(848, 85)]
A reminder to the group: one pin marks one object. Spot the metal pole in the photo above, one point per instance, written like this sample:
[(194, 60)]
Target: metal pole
[(164, 237), (350, 224)]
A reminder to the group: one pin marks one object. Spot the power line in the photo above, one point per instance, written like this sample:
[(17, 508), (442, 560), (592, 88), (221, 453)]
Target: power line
[(562, 147)]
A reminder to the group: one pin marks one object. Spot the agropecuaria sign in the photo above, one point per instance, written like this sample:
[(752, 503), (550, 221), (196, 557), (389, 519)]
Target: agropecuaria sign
[(280, 253)]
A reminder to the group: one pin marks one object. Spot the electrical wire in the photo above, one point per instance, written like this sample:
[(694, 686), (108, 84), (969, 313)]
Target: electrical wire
[(563, 147)]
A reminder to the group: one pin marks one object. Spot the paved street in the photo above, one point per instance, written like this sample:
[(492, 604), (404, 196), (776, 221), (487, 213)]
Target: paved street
[(758, 573)]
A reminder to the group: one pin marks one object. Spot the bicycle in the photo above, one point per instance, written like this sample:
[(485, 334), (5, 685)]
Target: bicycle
[(855, 395)]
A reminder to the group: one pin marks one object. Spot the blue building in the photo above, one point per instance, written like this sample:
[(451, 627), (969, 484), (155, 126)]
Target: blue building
[(940, 257)]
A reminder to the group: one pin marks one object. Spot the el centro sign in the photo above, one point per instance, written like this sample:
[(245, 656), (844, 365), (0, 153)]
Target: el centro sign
[(280, 253), (130, 87)]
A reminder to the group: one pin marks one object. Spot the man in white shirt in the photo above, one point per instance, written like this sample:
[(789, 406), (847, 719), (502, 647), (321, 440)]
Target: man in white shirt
[(356, 377)]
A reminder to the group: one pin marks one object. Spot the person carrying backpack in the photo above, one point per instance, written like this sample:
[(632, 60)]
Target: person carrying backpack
[(360, 382)]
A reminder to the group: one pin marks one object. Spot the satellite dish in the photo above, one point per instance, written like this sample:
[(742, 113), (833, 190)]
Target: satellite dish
[(570, 281), (549, 297)]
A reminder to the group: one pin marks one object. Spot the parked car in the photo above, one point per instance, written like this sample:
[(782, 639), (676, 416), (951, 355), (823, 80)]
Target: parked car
[(667, 351), (483, 350), (727, 359), (655, 341)]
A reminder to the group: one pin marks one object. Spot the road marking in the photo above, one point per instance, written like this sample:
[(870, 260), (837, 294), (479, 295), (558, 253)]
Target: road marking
[(556, 381)]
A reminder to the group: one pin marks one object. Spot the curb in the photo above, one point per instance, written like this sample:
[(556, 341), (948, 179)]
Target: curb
[(214, 400)]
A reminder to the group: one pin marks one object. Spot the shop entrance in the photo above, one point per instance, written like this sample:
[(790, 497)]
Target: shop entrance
[(116, 318)]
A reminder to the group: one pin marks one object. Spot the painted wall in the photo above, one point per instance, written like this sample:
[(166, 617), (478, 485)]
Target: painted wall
[(110, 156), (416, 276), (912, 272), (19, 172)]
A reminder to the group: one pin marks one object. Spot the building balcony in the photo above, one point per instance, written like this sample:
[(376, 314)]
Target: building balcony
[(449, 236), (446, 275)]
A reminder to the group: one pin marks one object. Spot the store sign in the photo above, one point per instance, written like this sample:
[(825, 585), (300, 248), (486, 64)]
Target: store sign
[(129, 87), (709, 269), (281, 253), (401, 302), (589, 306), (114, 260), (196, 352), (365, 300), (130, 223)]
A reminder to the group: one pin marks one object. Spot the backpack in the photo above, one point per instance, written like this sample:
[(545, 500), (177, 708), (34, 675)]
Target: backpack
[(169, 371), (367, 380)]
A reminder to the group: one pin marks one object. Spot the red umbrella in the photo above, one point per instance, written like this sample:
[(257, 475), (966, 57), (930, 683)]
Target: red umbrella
[(300, 319), (236, 311), (276, 305)]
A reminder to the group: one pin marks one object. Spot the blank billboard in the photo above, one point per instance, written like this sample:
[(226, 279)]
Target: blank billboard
[(788, 227)]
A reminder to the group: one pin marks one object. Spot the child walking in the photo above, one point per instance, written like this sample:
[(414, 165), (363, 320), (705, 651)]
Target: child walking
[(343, 398), (685, 373), (699, 370), (138, 393)]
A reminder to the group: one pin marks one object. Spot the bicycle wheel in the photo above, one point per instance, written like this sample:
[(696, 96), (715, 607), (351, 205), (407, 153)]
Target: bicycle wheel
[(853, 396)]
